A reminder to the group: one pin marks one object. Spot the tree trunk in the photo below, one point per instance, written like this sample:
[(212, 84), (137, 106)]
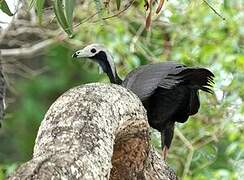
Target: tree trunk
[(95, 131)]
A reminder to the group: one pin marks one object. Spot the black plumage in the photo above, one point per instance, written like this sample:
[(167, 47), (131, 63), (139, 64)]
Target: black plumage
[(168, 91)]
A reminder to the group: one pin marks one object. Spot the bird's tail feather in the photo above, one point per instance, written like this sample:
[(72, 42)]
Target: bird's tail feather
[(199, 78)]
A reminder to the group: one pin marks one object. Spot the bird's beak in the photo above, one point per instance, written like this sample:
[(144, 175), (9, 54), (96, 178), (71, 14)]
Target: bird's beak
[(80, 54), (74, 55)]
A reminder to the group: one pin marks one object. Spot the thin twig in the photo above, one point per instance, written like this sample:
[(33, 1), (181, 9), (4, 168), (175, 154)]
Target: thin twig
[(105, 18), (211, 7), (188, 163), (85, 20), (136, 37), (127, 6), (183, 139), (27, 51)]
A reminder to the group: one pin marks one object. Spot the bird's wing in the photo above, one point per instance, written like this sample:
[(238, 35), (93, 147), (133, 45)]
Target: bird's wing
[(144, 80)]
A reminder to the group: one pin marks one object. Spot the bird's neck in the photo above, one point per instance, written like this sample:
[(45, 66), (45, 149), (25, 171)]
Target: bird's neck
[(115, 79), (112, 73), (106, 62)]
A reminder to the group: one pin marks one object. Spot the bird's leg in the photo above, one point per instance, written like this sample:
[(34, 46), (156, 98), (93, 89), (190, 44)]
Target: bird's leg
[(163, 147), (166, 139), (165, 152)]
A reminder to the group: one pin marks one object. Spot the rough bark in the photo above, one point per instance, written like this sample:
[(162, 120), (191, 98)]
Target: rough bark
[(95, 131)]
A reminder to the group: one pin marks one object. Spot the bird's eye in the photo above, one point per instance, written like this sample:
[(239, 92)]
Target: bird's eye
[(93, 50)]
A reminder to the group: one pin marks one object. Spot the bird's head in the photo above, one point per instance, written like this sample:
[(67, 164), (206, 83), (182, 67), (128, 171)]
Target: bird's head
[(102, 56), (90, 51)]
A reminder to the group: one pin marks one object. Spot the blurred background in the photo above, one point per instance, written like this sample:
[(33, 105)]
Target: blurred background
[(38, 68)]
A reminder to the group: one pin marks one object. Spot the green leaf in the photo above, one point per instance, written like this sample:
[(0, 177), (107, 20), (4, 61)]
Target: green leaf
[(58, 10), (4, 7), (61, 18), (39, 9), (68, 10), (118, 3), (31, 4)]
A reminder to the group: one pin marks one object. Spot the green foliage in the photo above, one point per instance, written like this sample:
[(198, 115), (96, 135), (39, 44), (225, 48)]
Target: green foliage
[(210, 145), (31, 3), (4, 7), (118, 3), (6, 170), (69, 9), (39, 5), (64, 13)]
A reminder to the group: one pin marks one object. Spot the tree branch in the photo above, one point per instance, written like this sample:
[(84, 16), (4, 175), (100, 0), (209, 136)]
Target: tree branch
[(95, 131), (27, 51)]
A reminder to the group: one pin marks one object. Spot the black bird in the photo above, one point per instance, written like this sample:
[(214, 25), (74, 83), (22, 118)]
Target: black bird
[(168, 91)]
